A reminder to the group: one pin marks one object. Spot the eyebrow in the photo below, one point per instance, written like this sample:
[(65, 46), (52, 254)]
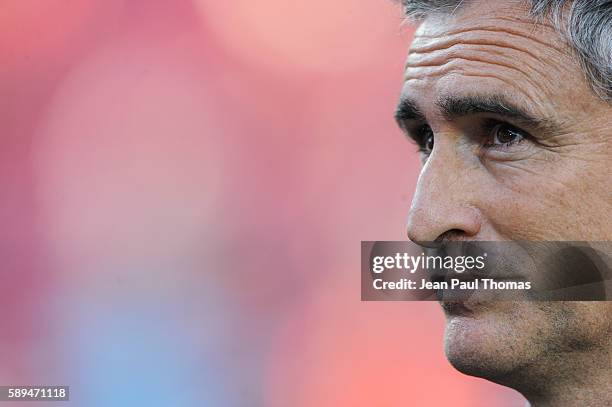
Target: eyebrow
[(454, 107), (407, 110)]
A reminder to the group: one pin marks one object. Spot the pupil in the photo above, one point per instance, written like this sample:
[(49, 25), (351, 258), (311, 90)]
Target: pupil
[(506, 135)]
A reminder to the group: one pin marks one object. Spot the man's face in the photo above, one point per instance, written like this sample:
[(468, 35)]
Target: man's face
[(515, 146)]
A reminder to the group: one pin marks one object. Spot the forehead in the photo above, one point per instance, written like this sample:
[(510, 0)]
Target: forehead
[(496, 48)]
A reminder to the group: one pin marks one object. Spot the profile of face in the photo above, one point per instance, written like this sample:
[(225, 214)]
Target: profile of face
[(515, 145)]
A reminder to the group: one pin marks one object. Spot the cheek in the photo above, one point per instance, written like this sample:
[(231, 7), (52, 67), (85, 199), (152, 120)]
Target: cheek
[(552, 195), (529, 205)]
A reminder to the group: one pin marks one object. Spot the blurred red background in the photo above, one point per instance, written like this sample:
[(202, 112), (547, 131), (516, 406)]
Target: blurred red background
[(185, 187)]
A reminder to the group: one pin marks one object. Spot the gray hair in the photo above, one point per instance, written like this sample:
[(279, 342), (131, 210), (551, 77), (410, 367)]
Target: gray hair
[(586, 25)]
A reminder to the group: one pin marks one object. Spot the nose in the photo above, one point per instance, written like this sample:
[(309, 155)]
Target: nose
[(444, 204)]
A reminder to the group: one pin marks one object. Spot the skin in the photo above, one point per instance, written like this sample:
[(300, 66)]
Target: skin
[(552, 185)]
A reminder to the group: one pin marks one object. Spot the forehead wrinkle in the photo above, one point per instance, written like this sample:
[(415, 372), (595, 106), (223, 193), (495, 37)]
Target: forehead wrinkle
[(489, 36), (499, 39), (505, 31), (492, 54), (511, 84), (453, 43), (458, 66)]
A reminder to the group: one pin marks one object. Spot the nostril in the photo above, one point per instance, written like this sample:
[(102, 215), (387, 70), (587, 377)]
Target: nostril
[(450, 235)]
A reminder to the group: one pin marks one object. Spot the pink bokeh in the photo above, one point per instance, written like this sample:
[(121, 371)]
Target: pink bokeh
[(189, 182)]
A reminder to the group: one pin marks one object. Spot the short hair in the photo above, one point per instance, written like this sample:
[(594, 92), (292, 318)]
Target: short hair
[(585, 24)]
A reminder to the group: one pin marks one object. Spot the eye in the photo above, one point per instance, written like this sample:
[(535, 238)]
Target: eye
[(426, 139), (505, 135)]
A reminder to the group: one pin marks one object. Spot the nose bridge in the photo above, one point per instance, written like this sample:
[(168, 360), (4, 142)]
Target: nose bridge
[(443, 200)]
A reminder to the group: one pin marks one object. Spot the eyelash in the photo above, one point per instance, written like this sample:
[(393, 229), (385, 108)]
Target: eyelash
[(423, 133), (490, 127), (422, 136)]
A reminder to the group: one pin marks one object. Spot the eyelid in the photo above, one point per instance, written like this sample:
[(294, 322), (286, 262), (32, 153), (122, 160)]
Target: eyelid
[(411, 130), (490, 141), (422, 133), (490, 124), (512, 151)]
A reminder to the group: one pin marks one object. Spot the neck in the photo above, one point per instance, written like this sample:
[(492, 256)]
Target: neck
[(576, 379), (590, 391)]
